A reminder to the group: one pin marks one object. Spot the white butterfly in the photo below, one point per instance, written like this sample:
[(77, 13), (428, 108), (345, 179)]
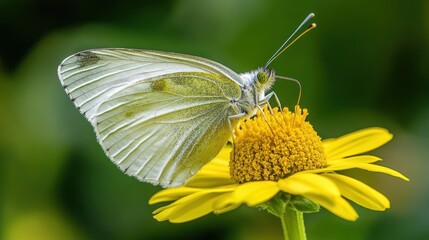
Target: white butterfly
[(161, 116)]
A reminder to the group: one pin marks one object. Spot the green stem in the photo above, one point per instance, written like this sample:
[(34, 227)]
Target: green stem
[(293, 225)]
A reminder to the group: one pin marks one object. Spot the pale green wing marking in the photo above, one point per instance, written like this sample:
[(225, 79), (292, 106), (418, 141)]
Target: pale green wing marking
[(163, 129)]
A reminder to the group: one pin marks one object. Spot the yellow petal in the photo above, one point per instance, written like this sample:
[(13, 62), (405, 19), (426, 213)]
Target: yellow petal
[(218, 163), (320, 190), (214, 168), (215, 173), (189, 208), (356, 142), (251, 193), (381, 169), (336, 205), (302, 182), (228, 208), (345, 163), (164, 208), (201, 181), (172, 194), (359, 192), (354, 160)]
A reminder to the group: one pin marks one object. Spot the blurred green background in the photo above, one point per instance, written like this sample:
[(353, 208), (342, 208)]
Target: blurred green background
[(366, 64)]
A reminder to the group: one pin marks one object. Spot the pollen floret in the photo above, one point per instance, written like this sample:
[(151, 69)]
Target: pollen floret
[(273, 146)]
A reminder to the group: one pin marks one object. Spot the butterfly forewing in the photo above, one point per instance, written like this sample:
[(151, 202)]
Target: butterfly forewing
[(91, 76), (158, 116)]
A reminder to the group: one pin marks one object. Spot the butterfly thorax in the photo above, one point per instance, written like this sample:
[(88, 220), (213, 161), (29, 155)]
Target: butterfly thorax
[(256, 83)]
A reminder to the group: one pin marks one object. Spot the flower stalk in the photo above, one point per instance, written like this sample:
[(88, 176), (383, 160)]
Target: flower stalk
[(293, 224), (290, 209)]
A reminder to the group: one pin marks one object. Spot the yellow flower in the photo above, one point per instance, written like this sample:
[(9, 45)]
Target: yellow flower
[(280, 153)]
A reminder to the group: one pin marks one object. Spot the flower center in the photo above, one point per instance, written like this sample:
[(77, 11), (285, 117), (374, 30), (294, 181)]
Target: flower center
[(274, 145)]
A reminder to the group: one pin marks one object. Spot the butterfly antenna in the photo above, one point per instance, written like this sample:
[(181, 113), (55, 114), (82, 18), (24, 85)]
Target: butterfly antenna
[(286, 44), (299, 95), (295, 81)]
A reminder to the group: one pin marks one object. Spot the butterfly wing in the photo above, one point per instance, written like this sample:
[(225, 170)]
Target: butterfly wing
[(89, 77), (158, 116)]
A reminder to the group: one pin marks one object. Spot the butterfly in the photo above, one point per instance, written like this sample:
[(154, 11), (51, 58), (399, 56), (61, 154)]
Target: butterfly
[(160, 116)]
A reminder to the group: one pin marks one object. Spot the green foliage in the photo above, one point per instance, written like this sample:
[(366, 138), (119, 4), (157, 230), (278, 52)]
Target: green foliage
[(304, 205)]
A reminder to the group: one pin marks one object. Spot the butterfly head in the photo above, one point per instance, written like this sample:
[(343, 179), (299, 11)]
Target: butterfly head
[(265, 79)]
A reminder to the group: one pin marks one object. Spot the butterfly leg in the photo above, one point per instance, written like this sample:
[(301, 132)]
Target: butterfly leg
[(278, 101), (265, 117), (236, 116), (263, 101), (266, 100)]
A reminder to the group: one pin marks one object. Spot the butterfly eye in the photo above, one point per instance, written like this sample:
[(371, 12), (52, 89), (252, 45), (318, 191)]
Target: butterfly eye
[(262, 77)]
